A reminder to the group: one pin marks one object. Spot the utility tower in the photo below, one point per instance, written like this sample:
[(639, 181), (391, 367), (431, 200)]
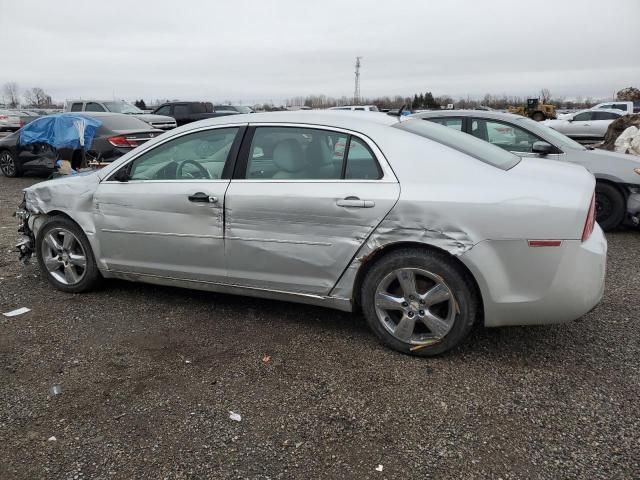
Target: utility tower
[(356, 90)]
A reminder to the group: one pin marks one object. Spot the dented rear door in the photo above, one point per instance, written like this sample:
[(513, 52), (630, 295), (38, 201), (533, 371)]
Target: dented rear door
[(299, 234)]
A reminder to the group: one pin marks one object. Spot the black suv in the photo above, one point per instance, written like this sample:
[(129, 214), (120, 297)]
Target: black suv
[(187, 112)]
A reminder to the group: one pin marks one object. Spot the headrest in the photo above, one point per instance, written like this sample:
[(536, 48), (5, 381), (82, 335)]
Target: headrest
[(289, 156)]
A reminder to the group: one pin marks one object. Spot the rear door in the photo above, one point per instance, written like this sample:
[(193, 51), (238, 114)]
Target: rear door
[(166, 219), (182, 113), (581, 125), (601, 122), (302, 201)]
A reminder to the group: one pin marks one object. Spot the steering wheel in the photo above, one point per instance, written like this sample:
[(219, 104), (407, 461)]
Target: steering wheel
[(203, 171)]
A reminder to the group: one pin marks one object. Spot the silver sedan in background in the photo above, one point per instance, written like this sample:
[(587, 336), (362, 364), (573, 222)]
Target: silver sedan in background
[(424, 229), (617, 175), (587, 126)]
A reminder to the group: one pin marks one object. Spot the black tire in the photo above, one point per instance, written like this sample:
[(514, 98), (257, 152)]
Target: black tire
[(465, 302), (8, 164), (90, 277), (610, 206), (538, 116)]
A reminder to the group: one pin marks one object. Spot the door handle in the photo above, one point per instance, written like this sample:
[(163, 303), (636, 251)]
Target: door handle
[(355, 202), (202, 197)]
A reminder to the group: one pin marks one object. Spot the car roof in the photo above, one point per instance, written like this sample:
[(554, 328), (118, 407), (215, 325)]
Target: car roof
[(468, 113), (329, 118)]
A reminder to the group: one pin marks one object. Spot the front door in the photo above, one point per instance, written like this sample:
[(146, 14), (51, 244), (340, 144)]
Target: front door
[(507, 136), (165, 218), (301, 204)]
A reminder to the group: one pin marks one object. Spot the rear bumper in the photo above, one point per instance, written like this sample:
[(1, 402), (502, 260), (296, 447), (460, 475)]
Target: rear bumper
[(521, 285)]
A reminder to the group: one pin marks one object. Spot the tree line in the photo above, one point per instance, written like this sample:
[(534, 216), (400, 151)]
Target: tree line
[(31, 97)]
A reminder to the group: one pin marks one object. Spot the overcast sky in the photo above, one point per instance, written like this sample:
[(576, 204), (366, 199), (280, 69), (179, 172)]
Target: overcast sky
[(250, 51)]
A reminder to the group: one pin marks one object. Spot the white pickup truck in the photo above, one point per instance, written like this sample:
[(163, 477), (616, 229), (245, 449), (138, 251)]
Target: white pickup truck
[(627, 107)]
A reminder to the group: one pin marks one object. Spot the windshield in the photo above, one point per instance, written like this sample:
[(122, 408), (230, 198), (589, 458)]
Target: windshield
[(122, 107), (557, 138), (468, 144)]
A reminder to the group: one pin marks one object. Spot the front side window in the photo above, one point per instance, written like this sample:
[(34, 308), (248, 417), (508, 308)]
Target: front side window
[(200, 155), (503, 135), (166, 110), (76, 107), (583, 117), (308, 154)]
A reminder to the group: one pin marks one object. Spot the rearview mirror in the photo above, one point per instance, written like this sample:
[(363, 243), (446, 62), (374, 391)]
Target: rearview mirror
[(541, 148), (122, 175)]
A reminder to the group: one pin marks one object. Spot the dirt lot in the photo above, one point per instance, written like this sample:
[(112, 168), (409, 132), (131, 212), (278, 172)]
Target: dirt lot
[(149, 375)]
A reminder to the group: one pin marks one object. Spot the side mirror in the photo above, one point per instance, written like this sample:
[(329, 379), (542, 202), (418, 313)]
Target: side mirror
[(542, 148), (122, 175)]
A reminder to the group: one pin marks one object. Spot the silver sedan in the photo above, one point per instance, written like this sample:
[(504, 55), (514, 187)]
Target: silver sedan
[(617, 175), (424, 229)]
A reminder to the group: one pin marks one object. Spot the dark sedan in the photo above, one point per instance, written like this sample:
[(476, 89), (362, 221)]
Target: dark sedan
[(117, 135)]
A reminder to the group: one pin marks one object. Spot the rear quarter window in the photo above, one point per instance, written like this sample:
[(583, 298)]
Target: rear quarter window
[(462, 142)]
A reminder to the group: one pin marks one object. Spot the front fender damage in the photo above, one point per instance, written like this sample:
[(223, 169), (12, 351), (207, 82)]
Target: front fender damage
[(72, 196)]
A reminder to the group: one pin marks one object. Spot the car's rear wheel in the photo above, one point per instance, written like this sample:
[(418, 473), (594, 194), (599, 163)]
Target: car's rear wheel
[(8, 165), (65, 256), (610, 206), (419, 301)]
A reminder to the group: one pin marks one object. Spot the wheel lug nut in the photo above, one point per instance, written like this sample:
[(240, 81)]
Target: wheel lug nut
[(410, 314), (421, 312), (405, 304)]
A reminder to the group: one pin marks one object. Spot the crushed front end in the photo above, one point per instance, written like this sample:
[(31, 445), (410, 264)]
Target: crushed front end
[(26, 238)]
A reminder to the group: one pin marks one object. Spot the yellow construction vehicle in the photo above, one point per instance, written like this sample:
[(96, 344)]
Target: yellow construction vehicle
[(535, 110)]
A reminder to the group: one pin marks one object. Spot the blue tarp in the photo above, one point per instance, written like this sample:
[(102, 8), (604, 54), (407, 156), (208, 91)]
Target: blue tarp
[(61, 130)]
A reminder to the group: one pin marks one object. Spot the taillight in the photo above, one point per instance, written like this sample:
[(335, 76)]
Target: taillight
[(122, 141), (590, 223)]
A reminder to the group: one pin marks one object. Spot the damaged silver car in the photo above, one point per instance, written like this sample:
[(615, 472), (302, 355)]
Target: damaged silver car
[(425, 229)]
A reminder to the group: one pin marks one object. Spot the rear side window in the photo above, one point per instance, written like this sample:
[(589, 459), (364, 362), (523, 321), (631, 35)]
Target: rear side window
[(605, 116), (291, 153), (467, 144), (181, 110), (198, 108), (620, 106), (76, 107), (455, 123)]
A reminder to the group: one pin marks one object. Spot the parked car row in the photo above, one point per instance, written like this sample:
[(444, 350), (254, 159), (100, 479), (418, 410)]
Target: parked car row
[(426, 229)]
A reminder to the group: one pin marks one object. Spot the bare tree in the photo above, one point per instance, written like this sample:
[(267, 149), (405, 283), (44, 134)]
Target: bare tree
[(11, 93), (37, 97), (545, 95)]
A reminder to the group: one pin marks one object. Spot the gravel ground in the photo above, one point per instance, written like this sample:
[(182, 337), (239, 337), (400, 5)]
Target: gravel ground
[(150, 374)]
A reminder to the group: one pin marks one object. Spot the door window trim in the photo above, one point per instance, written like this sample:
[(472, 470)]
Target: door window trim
[(227, 170), (242, 162)]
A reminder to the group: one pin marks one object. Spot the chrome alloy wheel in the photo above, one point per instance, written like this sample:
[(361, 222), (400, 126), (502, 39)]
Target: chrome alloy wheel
[(415, 306), (6, 164), (64, 257)]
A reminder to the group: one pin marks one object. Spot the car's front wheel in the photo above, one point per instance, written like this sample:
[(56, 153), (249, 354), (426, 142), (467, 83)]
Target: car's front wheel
[(419, 301), (610, 206), (65, 256), (8, 165)]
